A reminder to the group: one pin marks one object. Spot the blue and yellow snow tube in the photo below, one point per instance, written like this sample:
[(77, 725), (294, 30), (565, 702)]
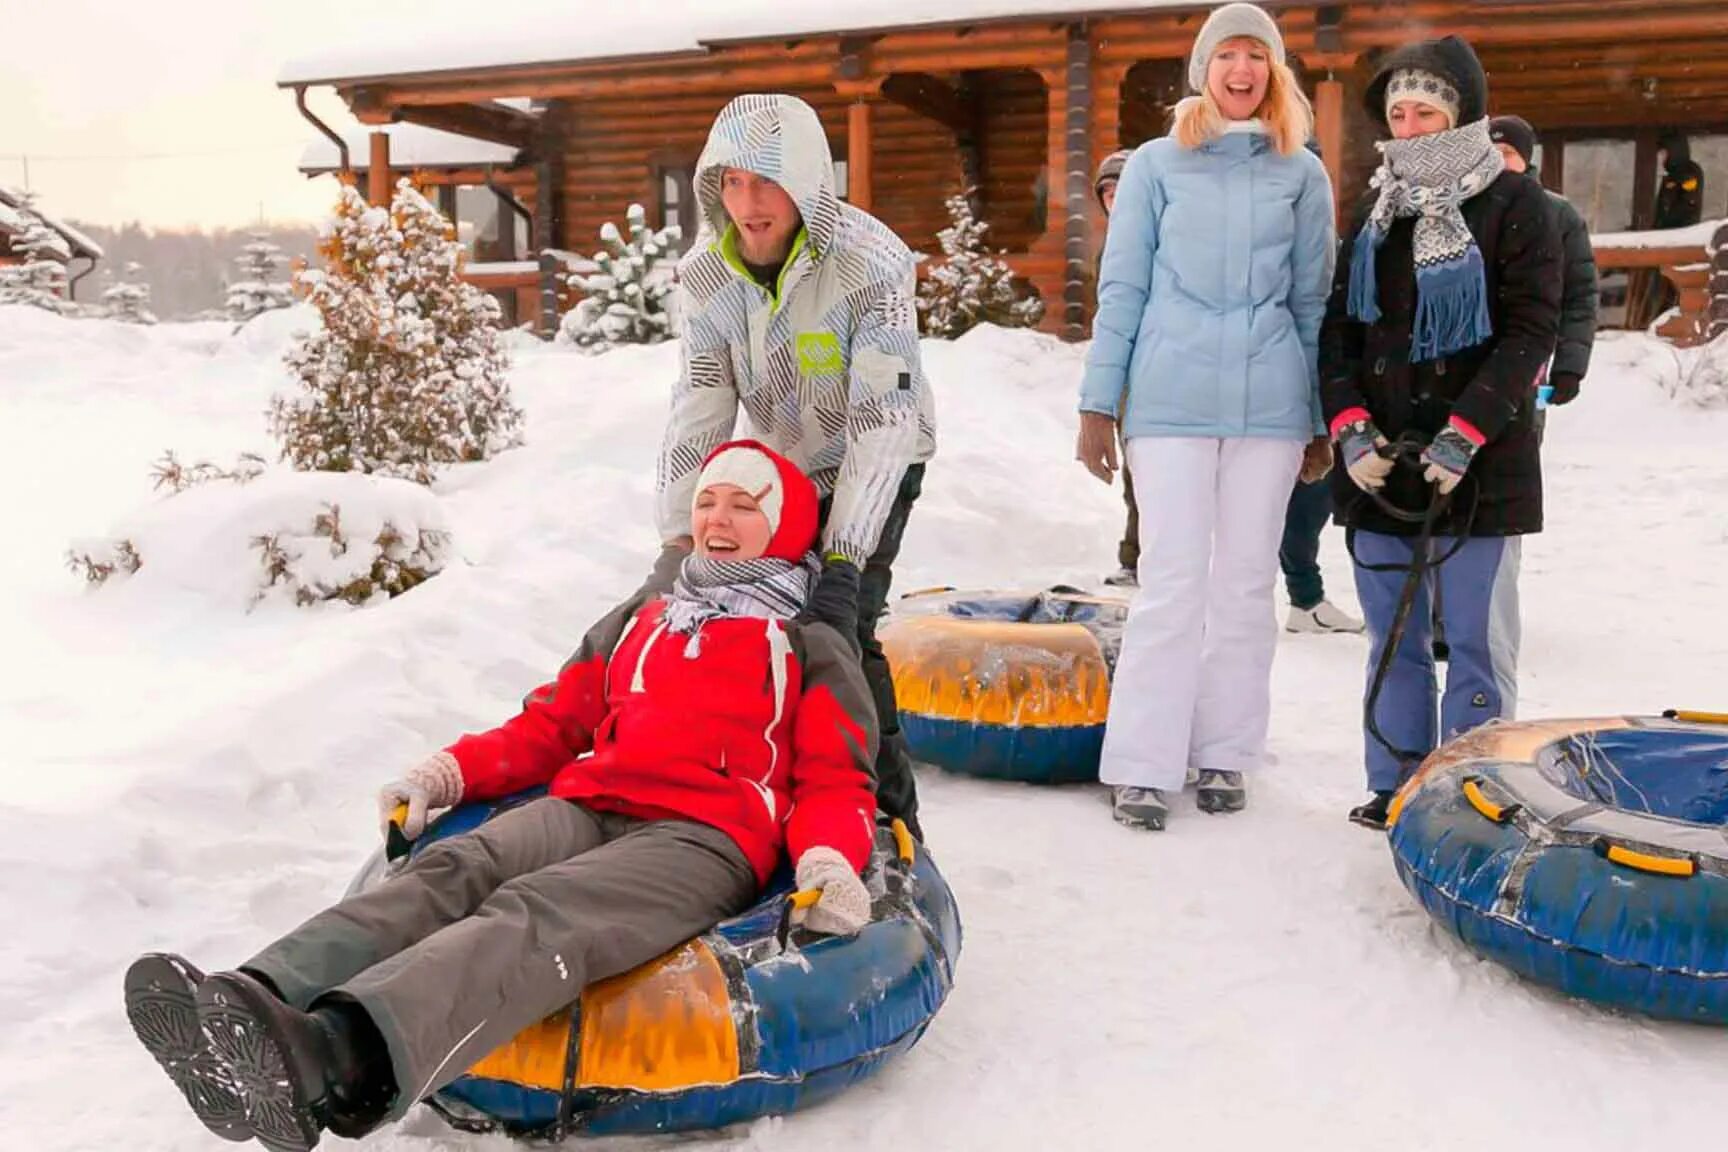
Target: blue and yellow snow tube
[(752, 1019), (1589, 855), (1003, 685)]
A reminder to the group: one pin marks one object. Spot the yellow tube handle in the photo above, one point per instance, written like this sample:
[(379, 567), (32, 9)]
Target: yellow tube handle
[(1645, 862), (903, 841), (1695, 717), (805, 898), (396, 841), (1479, 801)]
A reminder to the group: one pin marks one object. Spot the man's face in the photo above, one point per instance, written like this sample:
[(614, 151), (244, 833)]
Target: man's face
[(766, 217), (1514, 160)]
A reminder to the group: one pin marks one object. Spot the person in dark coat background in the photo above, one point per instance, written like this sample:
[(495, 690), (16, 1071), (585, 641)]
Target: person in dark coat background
[(1680, 198), (1516, 140), (1127, 574), (1444, 311)]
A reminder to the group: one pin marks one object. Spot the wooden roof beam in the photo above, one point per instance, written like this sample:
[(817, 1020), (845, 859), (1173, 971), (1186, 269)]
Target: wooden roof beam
[(933, 99), (497, 123)]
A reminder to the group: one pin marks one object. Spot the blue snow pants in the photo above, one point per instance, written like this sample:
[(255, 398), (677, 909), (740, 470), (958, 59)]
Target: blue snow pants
[(1479, 591)]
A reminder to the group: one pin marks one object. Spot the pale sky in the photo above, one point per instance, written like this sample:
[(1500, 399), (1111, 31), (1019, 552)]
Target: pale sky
[(167, 111)]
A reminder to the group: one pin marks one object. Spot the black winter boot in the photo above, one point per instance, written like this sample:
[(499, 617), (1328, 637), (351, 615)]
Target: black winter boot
[(1373, 813), (297, 1073), (162, 1006)]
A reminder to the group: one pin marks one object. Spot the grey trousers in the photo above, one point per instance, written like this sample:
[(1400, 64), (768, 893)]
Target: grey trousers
[(485, 933)]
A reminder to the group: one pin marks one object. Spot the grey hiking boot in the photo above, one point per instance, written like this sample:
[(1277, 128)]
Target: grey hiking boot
[(1123, 577), (1221, 792), (1139, 807)]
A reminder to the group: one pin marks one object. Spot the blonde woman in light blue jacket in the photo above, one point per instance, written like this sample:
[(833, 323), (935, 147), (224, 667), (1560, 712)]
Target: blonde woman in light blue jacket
[(1213, 286)]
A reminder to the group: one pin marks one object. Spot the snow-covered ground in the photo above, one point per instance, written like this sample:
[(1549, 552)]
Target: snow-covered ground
[(178, 773)]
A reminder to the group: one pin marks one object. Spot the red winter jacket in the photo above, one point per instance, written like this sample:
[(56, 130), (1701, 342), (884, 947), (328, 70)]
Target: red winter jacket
[(762, 729)]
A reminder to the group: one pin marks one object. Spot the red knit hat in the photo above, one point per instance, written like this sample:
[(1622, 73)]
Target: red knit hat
[(784, 493)]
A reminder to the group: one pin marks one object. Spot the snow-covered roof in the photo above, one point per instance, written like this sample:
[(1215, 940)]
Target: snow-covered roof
[(1698, 235), (578, 32), (79, 244), (411, 146)]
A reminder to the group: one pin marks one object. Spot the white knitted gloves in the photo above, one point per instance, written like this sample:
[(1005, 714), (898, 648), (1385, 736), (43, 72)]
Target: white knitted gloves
[(845, 904), (435, 782)]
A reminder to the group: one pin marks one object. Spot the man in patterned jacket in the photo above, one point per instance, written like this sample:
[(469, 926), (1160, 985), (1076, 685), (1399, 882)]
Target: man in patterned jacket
[(800, 309)]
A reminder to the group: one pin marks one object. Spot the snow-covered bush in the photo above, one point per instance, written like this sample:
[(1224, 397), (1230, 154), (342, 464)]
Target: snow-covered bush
[(128, 299), (40, 281), (971, 285), (258, 290), (406, 375), (1700, 375), (170, 473), (626, 301), (301, 537), (330, 563), (97, 560)]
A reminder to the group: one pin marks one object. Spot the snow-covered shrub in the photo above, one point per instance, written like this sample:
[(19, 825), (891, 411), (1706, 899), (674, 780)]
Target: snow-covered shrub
[(1700, 374), (406, 375), (128, 299), (170, 473), (40, 281), (971, 285), (97, 560), (329, 563), (258, 290), (626, 301), (300, 537)]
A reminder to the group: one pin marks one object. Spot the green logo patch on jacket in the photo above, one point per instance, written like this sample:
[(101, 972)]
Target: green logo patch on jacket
[(819, 354)]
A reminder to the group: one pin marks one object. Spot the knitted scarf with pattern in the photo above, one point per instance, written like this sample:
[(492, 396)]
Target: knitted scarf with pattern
[(1430, 177), (765, 588)]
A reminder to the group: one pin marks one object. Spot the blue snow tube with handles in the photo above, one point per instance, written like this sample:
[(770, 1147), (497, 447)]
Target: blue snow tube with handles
[(755, 1018), (1587, 855)]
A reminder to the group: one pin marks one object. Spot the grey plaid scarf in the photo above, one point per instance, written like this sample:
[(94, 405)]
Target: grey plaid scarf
[(765, 589)]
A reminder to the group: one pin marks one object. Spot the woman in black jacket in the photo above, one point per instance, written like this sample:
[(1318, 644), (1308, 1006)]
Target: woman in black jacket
[(1444, 310)]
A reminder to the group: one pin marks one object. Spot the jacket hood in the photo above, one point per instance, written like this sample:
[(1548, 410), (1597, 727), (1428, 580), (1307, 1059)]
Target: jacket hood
[(779, 138), (1450, 57)]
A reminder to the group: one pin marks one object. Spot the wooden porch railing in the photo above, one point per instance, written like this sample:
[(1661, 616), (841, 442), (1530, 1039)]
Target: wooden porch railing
[(1686, 258)]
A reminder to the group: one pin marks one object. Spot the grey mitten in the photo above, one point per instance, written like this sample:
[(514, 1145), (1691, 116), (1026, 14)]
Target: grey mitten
[(845, 904), (435, 782)]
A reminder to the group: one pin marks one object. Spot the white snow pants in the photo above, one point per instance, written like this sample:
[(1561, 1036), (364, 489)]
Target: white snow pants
[(1193, 683)]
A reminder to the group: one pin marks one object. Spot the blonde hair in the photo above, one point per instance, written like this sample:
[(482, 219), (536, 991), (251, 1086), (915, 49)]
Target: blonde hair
[(1286, 112)]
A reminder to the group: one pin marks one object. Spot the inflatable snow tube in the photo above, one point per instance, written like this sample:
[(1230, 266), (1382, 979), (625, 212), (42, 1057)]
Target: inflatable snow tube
[(1589, 855), (1008, 686), (752, 1019)]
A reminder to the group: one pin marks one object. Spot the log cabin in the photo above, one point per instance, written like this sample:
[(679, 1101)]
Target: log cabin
[(1017, 100)]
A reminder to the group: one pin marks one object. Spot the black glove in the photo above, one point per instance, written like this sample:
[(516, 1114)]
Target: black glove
[(1565, 387), (834, 600)]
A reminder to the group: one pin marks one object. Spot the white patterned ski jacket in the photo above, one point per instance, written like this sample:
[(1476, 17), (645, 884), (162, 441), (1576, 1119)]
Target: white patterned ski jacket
[(826, 367)]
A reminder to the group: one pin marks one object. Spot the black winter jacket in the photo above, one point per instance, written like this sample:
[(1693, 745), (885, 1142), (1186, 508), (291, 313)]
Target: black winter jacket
[(1492, 385), (1581, 296)]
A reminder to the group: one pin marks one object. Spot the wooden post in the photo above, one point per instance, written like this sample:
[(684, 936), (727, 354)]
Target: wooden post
[(1329, 134), (859, 189), (1554, 162), (378, 171), (1716, 319), (1076, 186), (1644, 181)]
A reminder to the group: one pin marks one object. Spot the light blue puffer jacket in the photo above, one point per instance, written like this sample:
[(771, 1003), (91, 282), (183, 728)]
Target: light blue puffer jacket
[(1216, 271)]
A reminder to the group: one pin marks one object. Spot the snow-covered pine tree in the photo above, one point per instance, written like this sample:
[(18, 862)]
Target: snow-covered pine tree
[(128, 299), (406, 374), (258, 290), (40, 281), (625, 302), (971, 285)]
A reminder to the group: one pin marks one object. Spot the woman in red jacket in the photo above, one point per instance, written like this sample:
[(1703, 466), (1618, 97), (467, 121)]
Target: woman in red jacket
[(690, 740)]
